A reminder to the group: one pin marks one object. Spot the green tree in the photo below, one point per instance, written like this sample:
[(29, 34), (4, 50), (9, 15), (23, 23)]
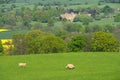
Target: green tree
[(72, 27), (94, 11), (1, 47), (11, 19), (102, 41), (4, 1), (37, 26), (77, 43), (97, 28), (107, 9), (31, 40), (36, 15), (39, 42), (50, 22), (117, 18), (109, 28), (85, 19), (50, 44), (88, 29), (61, 33), (26, 17), (19, 42)]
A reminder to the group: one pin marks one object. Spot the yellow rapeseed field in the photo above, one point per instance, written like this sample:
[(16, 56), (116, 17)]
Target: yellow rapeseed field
[(6, 41), (7, 44), (2, 30)]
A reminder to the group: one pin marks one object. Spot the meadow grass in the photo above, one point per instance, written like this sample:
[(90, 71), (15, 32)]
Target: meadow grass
[(88, 66), (104, 21)]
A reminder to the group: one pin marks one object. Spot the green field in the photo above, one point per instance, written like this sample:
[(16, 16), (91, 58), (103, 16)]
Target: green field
[(9, 34), (76, 3), (61, 1), (88, 66)]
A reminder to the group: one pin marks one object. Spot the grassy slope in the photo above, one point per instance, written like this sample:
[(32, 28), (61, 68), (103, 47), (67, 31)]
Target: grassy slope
[(93, 66)]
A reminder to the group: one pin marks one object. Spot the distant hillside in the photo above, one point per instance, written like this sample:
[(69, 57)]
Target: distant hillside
[(58, 1)]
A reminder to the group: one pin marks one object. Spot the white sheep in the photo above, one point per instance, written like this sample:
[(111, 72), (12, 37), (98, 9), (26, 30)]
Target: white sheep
[(22, 64), (70, 66)]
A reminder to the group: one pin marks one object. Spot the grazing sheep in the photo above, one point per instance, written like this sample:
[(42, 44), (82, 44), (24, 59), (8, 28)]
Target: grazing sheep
[(70, 66), (22, 64)]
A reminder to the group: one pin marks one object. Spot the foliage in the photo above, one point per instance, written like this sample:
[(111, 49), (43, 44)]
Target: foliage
[(5, 1), (96, 28), (77, 43), (48, 13), (117, 17), (109, 28), (72, 27), (19, 15), (61, 33), (85, 19), (102, 41), (1, 46), (31, 41), (19, 42), (50, 22), (24, 16), (39, 42), (107, 9), (94, 11), (50, 44)]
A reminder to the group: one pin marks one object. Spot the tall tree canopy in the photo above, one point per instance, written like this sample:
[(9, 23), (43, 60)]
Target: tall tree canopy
[(102, 41)]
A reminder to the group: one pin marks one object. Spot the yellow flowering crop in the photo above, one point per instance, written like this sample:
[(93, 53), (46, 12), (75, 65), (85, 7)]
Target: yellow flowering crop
[(6, 41), (7, 44), (2, 30), (7, 47)]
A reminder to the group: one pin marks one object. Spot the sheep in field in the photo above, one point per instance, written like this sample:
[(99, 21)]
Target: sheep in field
[(70, 66), (22, 64)]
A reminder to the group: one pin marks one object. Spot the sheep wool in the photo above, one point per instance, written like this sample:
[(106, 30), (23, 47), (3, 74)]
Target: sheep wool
[(70, 66), (22, 64)]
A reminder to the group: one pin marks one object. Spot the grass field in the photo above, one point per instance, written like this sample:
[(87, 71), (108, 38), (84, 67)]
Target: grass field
[(88, 66), (9, 34), (61, 1), (104, 22)]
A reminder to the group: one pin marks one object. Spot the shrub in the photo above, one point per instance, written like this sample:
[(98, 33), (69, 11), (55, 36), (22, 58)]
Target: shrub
[(19, 42), (117, 18), (1, 47), (77, 43), (39, 42), (51, 44), (31, 38), (102, 41)]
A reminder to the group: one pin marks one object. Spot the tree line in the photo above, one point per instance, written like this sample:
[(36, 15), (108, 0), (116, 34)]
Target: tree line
[(38, 42)]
